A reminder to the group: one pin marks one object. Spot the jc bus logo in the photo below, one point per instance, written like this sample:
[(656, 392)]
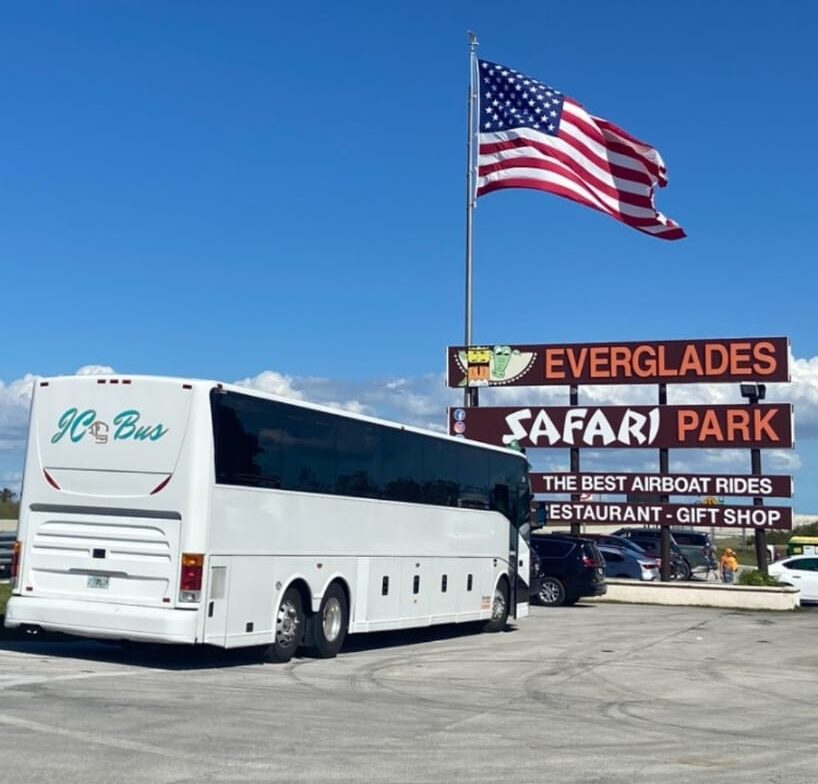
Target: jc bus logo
[(99, 430), (77, 424)]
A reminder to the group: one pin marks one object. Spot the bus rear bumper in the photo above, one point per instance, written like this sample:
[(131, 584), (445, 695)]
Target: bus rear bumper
[(103, 621)]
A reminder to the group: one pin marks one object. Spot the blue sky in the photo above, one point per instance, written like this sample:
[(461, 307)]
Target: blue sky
[(275, 193)]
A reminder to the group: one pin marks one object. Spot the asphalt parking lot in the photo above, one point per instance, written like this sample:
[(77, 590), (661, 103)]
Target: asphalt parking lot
[(592, 693)]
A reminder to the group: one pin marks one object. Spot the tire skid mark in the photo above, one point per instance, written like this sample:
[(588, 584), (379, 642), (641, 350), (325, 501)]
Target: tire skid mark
[(627, 710), (128, 745), (733, 677), (373, 678), (380, 675), (32, 680)]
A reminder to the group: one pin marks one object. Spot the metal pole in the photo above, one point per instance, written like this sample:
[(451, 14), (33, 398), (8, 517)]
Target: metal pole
[(574, 401), (761, 533), (471, 397), (664, 460), (755, 470)]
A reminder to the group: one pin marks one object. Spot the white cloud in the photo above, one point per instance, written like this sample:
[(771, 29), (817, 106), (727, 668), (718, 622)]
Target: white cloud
[(782, 461), (273, 383), (353, 406), (95, 370), (421, 401), (14, 403), (803, 393)]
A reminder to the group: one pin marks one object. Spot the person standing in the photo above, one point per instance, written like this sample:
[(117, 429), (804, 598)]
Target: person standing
[(728, 564)]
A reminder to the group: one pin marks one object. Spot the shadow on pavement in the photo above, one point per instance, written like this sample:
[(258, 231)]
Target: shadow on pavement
[(196, 657)]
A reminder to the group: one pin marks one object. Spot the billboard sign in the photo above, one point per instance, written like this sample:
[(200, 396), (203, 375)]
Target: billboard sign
[(686, 515), (640, 362), (615, 427), (768, 486)]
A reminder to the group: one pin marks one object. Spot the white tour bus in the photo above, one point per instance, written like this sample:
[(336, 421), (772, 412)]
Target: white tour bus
[(166, 510)]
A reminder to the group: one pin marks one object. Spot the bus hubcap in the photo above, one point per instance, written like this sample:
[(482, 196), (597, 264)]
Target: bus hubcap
[(331, 619), (287, 624), (499, 607)]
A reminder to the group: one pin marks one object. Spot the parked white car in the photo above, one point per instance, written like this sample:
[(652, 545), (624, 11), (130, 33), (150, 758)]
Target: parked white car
[(800, 571)]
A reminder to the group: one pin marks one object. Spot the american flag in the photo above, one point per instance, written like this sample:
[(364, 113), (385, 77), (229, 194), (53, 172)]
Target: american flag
[(533, 136)]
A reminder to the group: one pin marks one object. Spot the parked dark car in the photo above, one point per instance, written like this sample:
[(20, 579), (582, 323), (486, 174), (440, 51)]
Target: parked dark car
[(564, 568), (622, 562), (697, 547), (611, 540), (650, 540), (6, 547)]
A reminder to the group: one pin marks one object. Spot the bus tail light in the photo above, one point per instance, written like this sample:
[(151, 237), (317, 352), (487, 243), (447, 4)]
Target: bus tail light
[(15, 564), (190, 579)]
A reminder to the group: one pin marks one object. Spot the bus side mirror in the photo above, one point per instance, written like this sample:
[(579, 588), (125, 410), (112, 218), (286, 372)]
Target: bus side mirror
[(540, 517)]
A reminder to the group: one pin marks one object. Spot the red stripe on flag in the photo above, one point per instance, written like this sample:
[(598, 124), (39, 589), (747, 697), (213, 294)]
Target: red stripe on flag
[(567, 167), (616, 170), (641, 197), (670, 232)]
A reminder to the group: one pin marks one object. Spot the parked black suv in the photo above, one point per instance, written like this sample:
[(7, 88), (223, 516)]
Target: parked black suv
[(697, 547), (565, 568), (650, 540)]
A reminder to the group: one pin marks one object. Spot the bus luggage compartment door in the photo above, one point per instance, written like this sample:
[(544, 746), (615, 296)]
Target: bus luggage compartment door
[(216, 607)]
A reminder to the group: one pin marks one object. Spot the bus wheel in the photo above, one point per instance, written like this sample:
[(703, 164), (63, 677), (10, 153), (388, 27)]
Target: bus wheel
[(329, 624), (499, 608), (289, 629)]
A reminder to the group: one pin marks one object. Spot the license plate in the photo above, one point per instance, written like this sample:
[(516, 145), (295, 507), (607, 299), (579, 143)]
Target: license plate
[(97, 581)]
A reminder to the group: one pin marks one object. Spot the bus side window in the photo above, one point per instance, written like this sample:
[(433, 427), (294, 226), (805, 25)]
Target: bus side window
[(359, 466), (500, 499), (472, 475), (440, 486), (402, 455)]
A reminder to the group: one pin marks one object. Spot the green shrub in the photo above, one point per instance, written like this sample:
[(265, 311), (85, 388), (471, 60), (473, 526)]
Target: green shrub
[(782, 537), (9, 510), (756, 577), (5, 592), (5, 634)]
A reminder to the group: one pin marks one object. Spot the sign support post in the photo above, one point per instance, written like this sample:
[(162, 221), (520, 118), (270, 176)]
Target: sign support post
[(753, 393), (664, 468), (574, 401)]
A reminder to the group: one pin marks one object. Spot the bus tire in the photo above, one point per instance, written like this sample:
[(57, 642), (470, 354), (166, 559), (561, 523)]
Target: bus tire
[(499, 608), (330, 623), (289, 627)]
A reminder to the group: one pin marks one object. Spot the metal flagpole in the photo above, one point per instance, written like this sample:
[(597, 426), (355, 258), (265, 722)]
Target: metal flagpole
[(471, 398)]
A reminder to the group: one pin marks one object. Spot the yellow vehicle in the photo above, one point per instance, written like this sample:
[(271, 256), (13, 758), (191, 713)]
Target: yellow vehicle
[(802, 545)]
